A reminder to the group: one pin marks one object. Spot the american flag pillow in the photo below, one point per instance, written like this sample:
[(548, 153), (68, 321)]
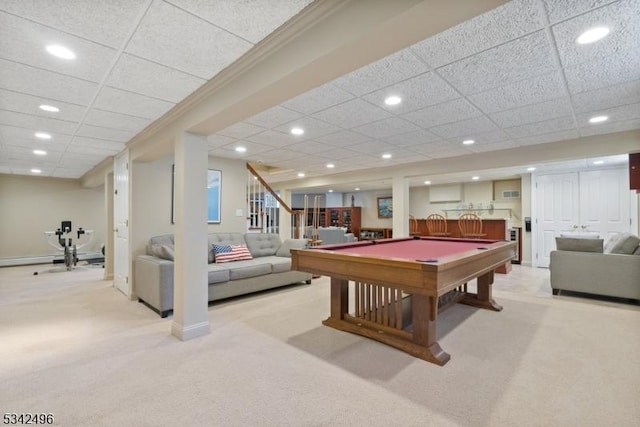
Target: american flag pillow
[(228, 253)]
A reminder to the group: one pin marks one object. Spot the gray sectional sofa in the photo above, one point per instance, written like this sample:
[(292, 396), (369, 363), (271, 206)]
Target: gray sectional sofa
[(589, 266), (269, 268)]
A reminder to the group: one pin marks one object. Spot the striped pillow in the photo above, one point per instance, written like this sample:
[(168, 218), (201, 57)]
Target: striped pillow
[(229, 253)]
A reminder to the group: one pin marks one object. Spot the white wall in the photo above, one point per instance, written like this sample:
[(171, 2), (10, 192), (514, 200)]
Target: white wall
[(30, 205)]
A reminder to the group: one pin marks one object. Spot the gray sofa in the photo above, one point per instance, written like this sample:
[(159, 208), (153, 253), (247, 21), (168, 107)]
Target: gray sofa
[(586, 265), (269, 268)]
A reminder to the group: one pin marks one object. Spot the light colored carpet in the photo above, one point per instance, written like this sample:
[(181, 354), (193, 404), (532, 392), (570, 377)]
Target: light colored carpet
[(72, 345)]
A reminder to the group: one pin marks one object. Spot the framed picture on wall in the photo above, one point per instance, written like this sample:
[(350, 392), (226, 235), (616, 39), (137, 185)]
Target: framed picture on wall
[(214, 181), (385, 207)]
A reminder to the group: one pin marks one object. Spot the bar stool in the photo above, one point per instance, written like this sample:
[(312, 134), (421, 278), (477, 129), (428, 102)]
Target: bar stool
[(470, 226), (437, 225)]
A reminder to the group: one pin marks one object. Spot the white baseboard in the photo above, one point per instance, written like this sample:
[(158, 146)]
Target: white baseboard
[(43, 259), (185, 333)]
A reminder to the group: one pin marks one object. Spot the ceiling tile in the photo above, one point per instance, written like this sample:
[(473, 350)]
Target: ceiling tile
[(156, 81), (133, 104), (452, 111), (389, 70), (387, 128), (343, 138), (608, 97), (525, 92), (559, 10), (241, 130), (615, 114), (312, 128), (469, 127), (418, 92), (541, 128), (110, 20), (500, 25), (518, 60), (412, 138), (37, 82), (533, 113), (548, 137), (352, 114), (112, 120), (308, 147), (177, 39), (29, 104), (105, 133), (10, 118), (274, 138), (623, 21), (25, 42), (274, 117), (318, 99), (619, 68), (251, 20), (217, 140), (492, 146), (610, 128)]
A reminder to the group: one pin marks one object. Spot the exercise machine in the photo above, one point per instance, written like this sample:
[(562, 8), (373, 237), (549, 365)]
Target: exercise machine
[(63, 242)]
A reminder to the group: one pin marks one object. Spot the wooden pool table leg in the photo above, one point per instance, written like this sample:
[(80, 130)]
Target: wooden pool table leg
[(339, 298), (484, 297), (425, 312)]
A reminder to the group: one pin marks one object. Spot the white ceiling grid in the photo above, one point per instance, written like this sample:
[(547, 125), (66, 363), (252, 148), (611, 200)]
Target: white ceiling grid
[(510, 78)]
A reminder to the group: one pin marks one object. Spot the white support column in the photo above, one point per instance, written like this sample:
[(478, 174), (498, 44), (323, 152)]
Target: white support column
[(285, 218), (400, 194), (190, 298)]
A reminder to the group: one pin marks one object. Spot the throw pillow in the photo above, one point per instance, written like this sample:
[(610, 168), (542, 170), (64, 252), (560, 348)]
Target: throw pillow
[(230, 253), (622, 243), (162, 251), (579, 244)]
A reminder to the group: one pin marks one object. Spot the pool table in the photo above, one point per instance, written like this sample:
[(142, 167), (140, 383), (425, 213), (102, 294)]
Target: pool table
[(401, 284)]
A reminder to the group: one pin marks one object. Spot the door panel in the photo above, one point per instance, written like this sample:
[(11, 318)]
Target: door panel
[(121, 223)]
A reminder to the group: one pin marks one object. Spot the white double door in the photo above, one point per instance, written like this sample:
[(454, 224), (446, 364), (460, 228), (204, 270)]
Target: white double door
[(596, 202)]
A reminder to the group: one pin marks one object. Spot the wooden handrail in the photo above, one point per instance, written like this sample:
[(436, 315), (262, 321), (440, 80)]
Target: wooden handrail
[(269, 189)]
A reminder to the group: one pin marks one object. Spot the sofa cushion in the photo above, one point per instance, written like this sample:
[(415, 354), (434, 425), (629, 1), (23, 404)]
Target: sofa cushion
[(217, 273), (622, 243), (262, 244), (579, 244), (279, 264), (245, 269), (285, 248), (230, 253), (162, 251), (165, 239)]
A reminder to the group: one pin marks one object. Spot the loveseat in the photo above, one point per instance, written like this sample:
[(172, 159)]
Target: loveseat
[(589, 266), (269, 267)]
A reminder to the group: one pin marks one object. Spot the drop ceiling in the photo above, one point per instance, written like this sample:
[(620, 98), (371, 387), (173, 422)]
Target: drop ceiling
[(508, 79)]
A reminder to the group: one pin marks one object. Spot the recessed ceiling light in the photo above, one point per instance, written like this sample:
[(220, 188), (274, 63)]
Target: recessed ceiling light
[(592, 35), (330, 191), (36, 171), (40, 152), (386, 156), (531, 169), (598, 119), (468, 142), (427, 182), (60, 51), (297, 131), (393, 100), (42, 135), (241, 149), (475, 178), (357, 188), (300, 174), (330, 165), (49, 108), (598, 162)]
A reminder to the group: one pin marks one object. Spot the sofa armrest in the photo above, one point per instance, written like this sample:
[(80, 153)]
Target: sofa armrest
[(153, 281), (603, 274), (286, 246)]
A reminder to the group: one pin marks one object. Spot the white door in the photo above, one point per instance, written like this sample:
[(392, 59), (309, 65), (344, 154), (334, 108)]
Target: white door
[(604, 202), (557, 211), (590, 202), (121, 223)]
